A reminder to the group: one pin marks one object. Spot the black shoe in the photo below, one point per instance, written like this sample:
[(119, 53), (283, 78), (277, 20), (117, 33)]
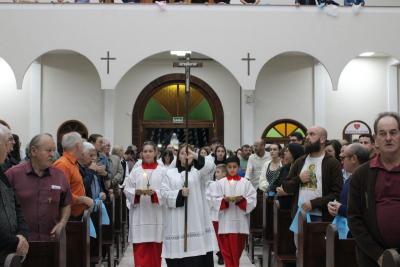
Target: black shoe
[(220, 260)]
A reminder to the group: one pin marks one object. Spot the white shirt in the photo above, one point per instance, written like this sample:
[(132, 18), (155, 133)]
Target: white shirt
[(233, 219), (263, 184), (254, 166), (211, 196), (201, 235), (145, 217), (312, 189)]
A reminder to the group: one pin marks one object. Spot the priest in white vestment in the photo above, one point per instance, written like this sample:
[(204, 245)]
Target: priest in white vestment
[(201, 240)]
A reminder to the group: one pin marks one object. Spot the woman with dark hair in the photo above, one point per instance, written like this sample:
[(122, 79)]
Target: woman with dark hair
[(270, 170), (142, 189), (201, 240), (203, 152), (16, 152), (168, 159), (292, 152), (333, 148), (220, 155)]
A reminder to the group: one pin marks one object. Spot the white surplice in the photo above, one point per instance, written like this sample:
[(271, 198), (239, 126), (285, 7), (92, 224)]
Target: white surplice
[(233, 219), (145, 217), (201, 236)]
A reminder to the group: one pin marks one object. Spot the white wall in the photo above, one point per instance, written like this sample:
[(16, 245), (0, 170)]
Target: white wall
[(284, 90), (361, 94), (223, 83), (71, 90), (14, 104)]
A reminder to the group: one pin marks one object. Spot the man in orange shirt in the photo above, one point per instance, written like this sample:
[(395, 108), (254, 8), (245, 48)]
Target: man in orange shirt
[(68, 163)]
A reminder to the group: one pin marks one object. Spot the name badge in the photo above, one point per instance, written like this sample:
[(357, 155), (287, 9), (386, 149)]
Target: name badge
[(55, 187)]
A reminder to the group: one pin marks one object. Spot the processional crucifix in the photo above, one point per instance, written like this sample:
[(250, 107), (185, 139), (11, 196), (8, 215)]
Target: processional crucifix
[(187, 64)]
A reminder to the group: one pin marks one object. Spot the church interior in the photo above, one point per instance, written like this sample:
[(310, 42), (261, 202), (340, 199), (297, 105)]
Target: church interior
[(268, 71)]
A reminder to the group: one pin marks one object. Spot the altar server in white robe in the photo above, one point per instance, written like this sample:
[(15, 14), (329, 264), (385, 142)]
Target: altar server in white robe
[(145, 213), (201, 240), (236, 199)]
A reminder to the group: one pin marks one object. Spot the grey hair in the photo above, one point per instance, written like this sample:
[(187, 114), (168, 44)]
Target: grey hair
[(88, 146), (35, 141), (116, 149), (69, 140), (4, 131), (360, 152)]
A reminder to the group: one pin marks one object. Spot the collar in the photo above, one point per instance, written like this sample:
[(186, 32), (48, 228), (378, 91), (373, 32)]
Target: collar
[(29, 170), (150, 166), (377, 164), (70, 157), (235, 178)]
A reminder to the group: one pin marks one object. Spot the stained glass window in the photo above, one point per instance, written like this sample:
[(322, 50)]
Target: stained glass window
[(281, 130)]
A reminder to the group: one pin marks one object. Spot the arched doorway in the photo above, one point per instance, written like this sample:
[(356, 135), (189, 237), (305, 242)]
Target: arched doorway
[(159, 111), (354, 129), (71, 126), (279, 131)]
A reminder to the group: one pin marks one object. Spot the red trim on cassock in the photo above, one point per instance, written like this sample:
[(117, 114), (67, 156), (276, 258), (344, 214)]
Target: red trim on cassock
[(151, 166), (154, 198), (137, 199), (242, 204), (235, 178), (224, 204), (147, 254)]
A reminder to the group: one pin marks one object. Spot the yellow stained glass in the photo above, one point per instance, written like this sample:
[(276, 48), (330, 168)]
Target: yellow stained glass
[(290, 128), (280, 128)]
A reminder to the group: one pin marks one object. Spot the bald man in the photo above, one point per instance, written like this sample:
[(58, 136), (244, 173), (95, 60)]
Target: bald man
[(256, 162), (315, 179)]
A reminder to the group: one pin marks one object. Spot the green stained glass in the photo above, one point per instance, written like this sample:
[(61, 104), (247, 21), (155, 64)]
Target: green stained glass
[(155, 112), (202, 112), (273, 134)]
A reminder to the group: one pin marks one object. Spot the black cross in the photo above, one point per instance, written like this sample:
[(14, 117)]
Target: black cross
[(108, 58), (248, 59)]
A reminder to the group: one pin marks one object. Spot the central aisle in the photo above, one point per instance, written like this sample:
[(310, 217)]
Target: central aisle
[(127, 260)]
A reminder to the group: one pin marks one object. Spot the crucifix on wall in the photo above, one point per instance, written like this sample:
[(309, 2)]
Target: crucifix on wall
[(248, 59), (108, 58)]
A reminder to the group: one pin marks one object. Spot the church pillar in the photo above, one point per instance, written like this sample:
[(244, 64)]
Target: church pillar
[(34, 83), (392, 86), (321, 83), (247, 116), (109, 110)]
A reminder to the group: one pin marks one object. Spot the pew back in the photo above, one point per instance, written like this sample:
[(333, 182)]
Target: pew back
[(47, 253), (311, 243), (339, 253), (391, 258), (78, 242)]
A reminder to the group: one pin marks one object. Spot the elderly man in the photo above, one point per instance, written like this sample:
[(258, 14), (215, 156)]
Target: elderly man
[(256, 162), (352, 156), (102, 168), (373, 207), (315, 178), (13, 229), (42, 190), (68, 163), (117, 170)]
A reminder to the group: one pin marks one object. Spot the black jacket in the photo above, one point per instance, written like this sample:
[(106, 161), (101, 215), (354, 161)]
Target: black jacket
[(12, 222), (361, 215)]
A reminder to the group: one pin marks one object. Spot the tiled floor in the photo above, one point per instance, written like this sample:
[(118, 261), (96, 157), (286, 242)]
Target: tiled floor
[(127, 260)]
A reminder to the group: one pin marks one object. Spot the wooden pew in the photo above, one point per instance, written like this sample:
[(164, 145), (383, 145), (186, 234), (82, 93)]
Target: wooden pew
[(284, 248), (391, 258), (256, 225), (311, 243), (268, 230), (339, 253), (13, 260), (118, 226), (78, 242), (124, 233), (96, 243), (108, 232), (47, 253)]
